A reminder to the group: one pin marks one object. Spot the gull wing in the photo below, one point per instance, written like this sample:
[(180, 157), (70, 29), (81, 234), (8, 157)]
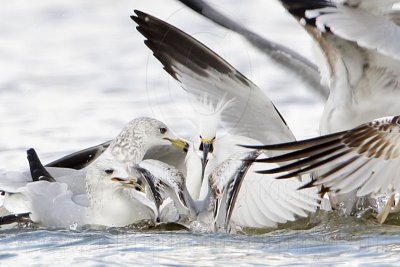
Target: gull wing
[(80, 159), (155, 189), (225, 182), (168, 154), (165, 181), (38, 171), (53, 205), (281, 55), (360, 59), (249, 199), (202, 73), (367, 29), (366, 158)]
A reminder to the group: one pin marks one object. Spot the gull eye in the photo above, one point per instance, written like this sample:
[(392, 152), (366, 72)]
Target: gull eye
[(109, 171), (138, 188), (163, 130)]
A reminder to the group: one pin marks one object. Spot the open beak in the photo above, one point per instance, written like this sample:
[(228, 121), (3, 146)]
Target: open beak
[(179, 143), (132, 182), (206, 146)]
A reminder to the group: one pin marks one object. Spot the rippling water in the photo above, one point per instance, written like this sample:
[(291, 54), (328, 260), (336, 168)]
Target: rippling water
[(72, 73), (330, 241)]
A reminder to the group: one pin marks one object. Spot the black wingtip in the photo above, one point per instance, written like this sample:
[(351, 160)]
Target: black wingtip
[(264, 160), (197, 6), (268, 147), (140, 13), (280, 146), (136, 17), (270, 171), (15, 218), (298, 7), (307, 185), (38, 171), (139, 18), (250, 146), (80, 159)]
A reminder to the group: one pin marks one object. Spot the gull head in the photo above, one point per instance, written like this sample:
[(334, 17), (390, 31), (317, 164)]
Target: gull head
[(140, 135), (210, 119), (116, 196), (102, 172)]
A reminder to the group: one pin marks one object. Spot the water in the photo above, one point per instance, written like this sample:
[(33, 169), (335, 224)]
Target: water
[(332, 241), (72, 73)]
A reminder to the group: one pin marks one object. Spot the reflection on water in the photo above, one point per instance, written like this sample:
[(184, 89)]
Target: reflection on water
[(72, 73)]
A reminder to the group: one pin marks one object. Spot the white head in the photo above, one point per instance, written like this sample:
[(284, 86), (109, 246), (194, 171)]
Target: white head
[(116, 197), (102, 171), (141, 134), (210, 119)]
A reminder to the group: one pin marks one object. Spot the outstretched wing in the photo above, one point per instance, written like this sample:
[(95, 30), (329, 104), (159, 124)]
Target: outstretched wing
[(203, 73), (281, 55), (363, 24), (360, 57), (254, 200), (366, 158)]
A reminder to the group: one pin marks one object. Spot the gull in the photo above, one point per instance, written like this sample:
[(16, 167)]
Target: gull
[(235, 105), (360, 62), (206, 75), (143, 137), (215, 212), (364, 159), (60, 197), (208, 149), (282, 56), (202, 73), (74, 201)]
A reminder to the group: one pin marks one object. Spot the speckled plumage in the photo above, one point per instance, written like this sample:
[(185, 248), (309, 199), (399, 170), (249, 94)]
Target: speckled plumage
[(136, 138)]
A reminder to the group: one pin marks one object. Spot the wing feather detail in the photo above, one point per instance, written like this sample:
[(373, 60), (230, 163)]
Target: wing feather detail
[(367, 160), (202, 73)]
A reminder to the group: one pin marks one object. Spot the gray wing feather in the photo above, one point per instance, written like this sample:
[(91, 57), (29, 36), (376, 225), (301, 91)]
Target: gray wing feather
[(281, 55)]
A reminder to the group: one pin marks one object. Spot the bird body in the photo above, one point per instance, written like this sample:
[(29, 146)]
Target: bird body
[(86, 196), (238, 106), (221, 209), (360, 64)]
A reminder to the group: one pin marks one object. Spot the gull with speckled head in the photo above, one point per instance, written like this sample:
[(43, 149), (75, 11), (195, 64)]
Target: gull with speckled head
[(90, 195)]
